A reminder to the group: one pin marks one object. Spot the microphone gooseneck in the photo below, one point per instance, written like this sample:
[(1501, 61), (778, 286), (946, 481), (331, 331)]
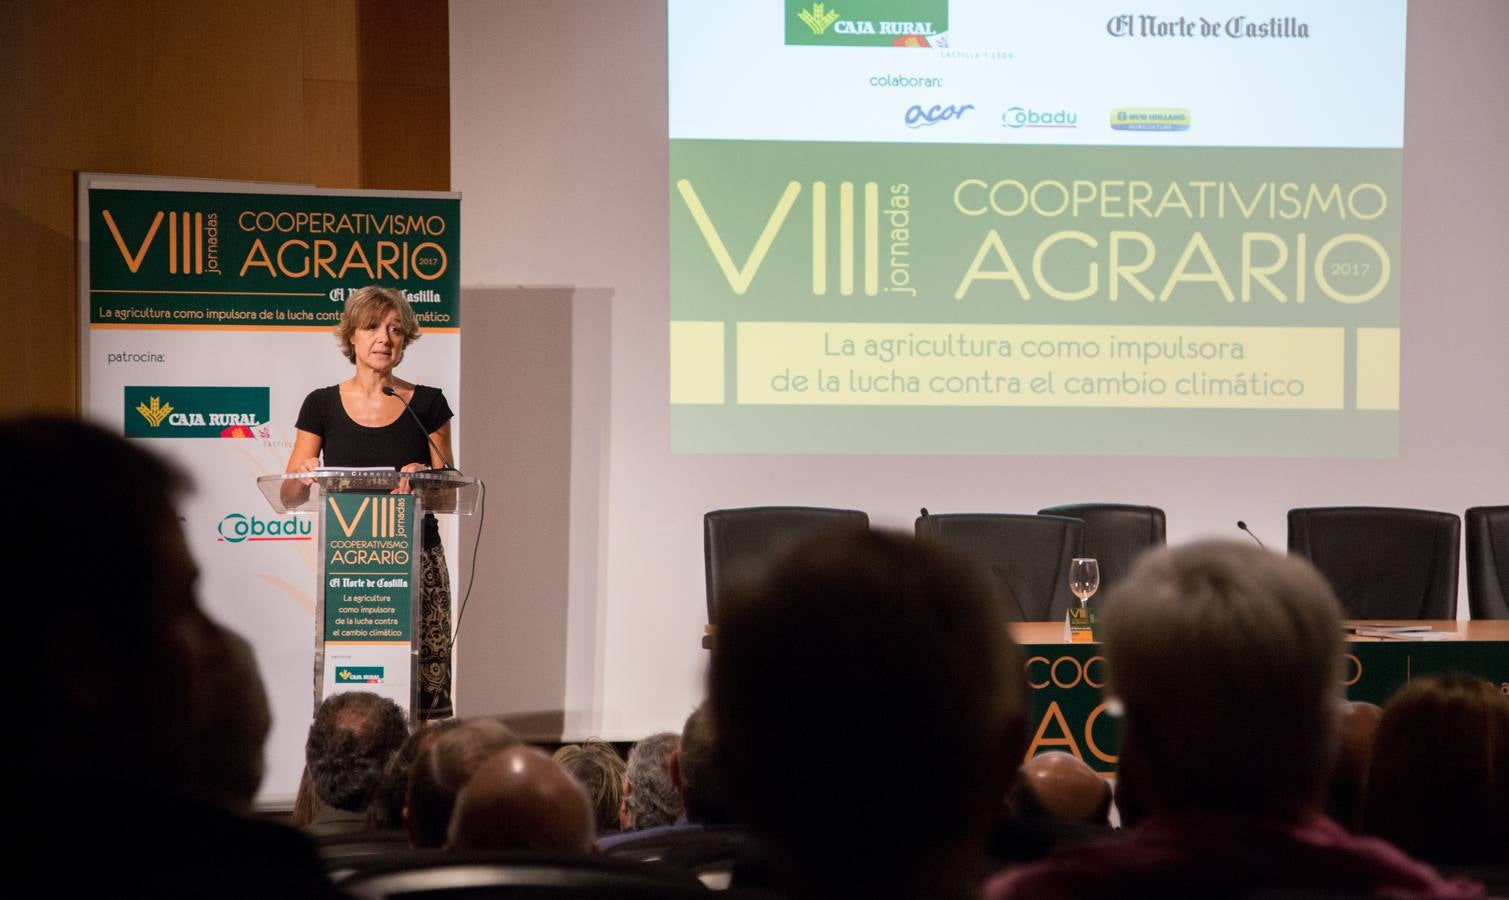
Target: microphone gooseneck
[(1243, 525), (389, 391)]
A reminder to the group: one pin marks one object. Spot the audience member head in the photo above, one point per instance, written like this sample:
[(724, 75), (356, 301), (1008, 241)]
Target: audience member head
[(442, 769), (1058, 785), (1359, 725), (386, 809), (236, 727), (126, 650), (854, 636), (305, 807), (694, 768), (521, 799), (352, 736), (650, 798), (598, 767), (1222, 652), (1439, 784)]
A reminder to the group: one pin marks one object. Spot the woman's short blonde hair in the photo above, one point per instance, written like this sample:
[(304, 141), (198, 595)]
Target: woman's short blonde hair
[(366, 307)]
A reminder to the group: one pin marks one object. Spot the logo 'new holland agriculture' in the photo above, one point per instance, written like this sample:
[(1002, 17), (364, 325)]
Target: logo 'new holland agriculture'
[(1148, 119), (194, 412), (866, 23)]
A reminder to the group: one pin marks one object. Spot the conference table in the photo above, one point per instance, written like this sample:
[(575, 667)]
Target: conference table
[(1069, 710)]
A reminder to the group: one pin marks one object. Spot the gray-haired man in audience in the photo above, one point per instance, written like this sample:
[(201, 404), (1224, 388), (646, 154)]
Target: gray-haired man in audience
[(1227, 661)]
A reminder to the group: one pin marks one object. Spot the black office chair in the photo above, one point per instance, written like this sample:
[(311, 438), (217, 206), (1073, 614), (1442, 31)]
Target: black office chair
[(343, 855), (1383, 562), (1029, 555), (1115, 534), (1488, 562), (441, 875), (710, 854), (735, 539)]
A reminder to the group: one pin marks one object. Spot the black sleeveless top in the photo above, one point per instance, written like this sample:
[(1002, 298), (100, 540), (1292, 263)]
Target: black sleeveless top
[(346, 443)]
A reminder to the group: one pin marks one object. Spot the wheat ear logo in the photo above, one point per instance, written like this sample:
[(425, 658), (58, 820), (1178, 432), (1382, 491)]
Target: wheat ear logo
[(154, 411), (818, 18)]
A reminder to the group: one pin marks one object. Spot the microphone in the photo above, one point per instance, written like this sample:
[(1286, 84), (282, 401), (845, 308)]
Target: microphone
[(388, 390), (1243, 525)]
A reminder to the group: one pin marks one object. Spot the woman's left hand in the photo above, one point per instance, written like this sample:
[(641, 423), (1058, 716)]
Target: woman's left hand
[(403, 483)]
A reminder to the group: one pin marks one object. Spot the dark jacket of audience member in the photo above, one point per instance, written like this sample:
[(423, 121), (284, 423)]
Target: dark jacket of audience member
[(598, 767), (1226, 660), (353, 736), (695, 771), (442, 769), (1354, 756), (864, 638), (1439, 783), (134, 712)]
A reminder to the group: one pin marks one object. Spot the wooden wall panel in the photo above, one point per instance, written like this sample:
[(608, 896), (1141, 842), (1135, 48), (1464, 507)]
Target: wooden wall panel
[(226, 90), (330, 39), (336, 93), (332, 134), (401, 126), (404, 42)]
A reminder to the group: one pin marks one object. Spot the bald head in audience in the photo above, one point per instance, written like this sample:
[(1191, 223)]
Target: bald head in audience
[(442, 769), (521, 799), (1061, 786)]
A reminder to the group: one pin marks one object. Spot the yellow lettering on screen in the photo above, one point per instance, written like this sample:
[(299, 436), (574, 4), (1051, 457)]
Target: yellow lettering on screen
[(1118, 366), (977, 271), (1378, 368), (697, 362)]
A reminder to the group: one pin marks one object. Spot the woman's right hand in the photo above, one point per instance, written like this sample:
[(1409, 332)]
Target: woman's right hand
[(308, 465), (306, 454)]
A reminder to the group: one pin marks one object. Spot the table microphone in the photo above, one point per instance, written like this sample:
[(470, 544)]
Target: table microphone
[(388, 389), (1243, 525)]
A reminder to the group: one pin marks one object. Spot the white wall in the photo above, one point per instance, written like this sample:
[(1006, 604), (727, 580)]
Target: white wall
[(558, 146)]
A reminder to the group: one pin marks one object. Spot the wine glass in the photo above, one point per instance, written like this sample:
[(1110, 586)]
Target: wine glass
[(1084, 578)]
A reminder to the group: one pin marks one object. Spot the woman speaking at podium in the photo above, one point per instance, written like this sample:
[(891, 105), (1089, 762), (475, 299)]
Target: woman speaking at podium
[(361, 422)]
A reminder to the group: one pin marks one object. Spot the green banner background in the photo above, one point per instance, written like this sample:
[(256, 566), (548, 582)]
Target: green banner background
[(142, 271), (1067, 680), (368, 600), (926, 248)]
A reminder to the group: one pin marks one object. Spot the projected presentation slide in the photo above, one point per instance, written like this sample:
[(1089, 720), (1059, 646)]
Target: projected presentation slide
[(970, 226)]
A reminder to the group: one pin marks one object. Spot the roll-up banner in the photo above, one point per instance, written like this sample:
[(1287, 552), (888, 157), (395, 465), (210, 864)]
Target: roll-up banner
[(206, 312)]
